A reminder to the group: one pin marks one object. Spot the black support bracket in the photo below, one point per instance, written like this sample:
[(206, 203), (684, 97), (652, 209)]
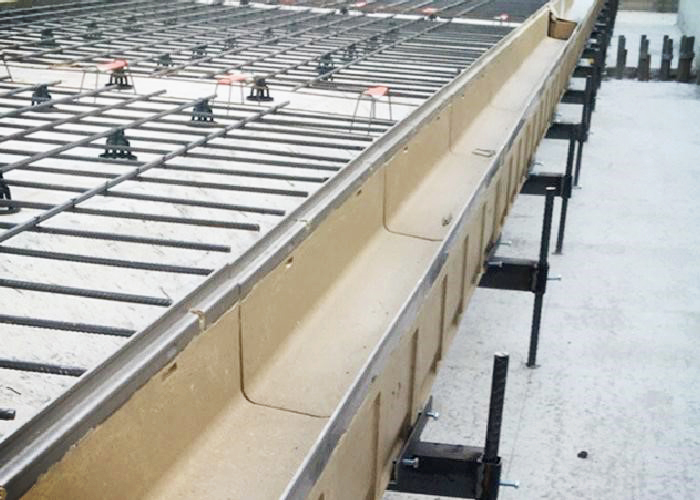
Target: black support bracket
[(563, 184), (525, 275), (455, 470)]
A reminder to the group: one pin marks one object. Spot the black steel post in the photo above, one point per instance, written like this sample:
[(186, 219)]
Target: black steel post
[(666, 58), (644, 61), (495, 420), (588, 107), (566, 194), (685, 58), (599, 64), (621, 57), (579, 157), (541, 284)]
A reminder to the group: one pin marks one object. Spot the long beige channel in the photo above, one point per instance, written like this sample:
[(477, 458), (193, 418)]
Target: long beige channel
[(236, 413)]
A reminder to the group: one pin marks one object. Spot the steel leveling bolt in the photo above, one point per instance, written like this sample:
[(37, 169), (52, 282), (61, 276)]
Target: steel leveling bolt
[(411, 462)]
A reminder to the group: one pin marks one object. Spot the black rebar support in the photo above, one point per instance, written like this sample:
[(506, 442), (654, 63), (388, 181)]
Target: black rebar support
[(325, 65), (164, 61), (117, 146), (119, 79), (92, 31), (259, 91), (41, 95), (47, 39), (202, 113)]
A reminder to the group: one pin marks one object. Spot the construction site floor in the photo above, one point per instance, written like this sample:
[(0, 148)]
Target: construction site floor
[(619, 370)]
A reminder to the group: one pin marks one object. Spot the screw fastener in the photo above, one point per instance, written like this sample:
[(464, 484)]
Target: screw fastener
[(510, 484), (411, 462)]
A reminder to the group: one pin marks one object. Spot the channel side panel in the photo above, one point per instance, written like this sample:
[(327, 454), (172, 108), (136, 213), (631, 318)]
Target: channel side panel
[(460, 268)]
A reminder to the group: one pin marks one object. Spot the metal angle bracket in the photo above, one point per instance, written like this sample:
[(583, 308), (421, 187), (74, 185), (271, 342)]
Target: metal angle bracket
[(525, 275), (453, 470)]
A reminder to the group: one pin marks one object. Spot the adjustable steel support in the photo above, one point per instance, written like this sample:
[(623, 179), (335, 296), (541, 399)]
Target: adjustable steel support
[(585, 98), (455, 470), (588, 71), (526, 275), (538, 183), (594, 52), (573, 132)]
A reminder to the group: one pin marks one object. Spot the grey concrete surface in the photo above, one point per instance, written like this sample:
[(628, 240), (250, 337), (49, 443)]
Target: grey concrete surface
[(620, 347)]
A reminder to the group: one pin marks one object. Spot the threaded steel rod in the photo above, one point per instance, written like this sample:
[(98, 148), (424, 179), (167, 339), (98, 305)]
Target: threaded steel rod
[(498, 392)]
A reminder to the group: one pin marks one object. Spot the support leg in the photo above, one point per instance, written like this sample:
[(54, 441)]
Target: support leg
[(541, 283), (579, 158), (566, 194)]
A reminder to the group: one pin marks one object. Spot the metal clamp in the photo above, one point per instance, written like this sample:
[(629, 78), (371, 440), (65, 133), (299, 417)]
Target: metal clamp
[(456, 470)]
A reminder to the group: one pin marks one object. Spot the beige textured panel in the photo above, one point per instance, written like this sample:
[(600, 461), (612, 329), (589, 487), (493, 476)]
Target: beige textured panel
[(455, 270), (334, 339), (275, 306), (430, 330), (353, 473), (430, 207), (397, 390), (124, 456), (476, 251), (290, 340), (407, 169), (248, 452), (188, 433)]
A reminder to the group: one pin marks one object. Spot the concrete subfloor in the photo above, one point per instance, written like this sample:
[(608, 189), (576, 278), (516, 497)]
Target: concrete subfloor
[(620, 346)]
